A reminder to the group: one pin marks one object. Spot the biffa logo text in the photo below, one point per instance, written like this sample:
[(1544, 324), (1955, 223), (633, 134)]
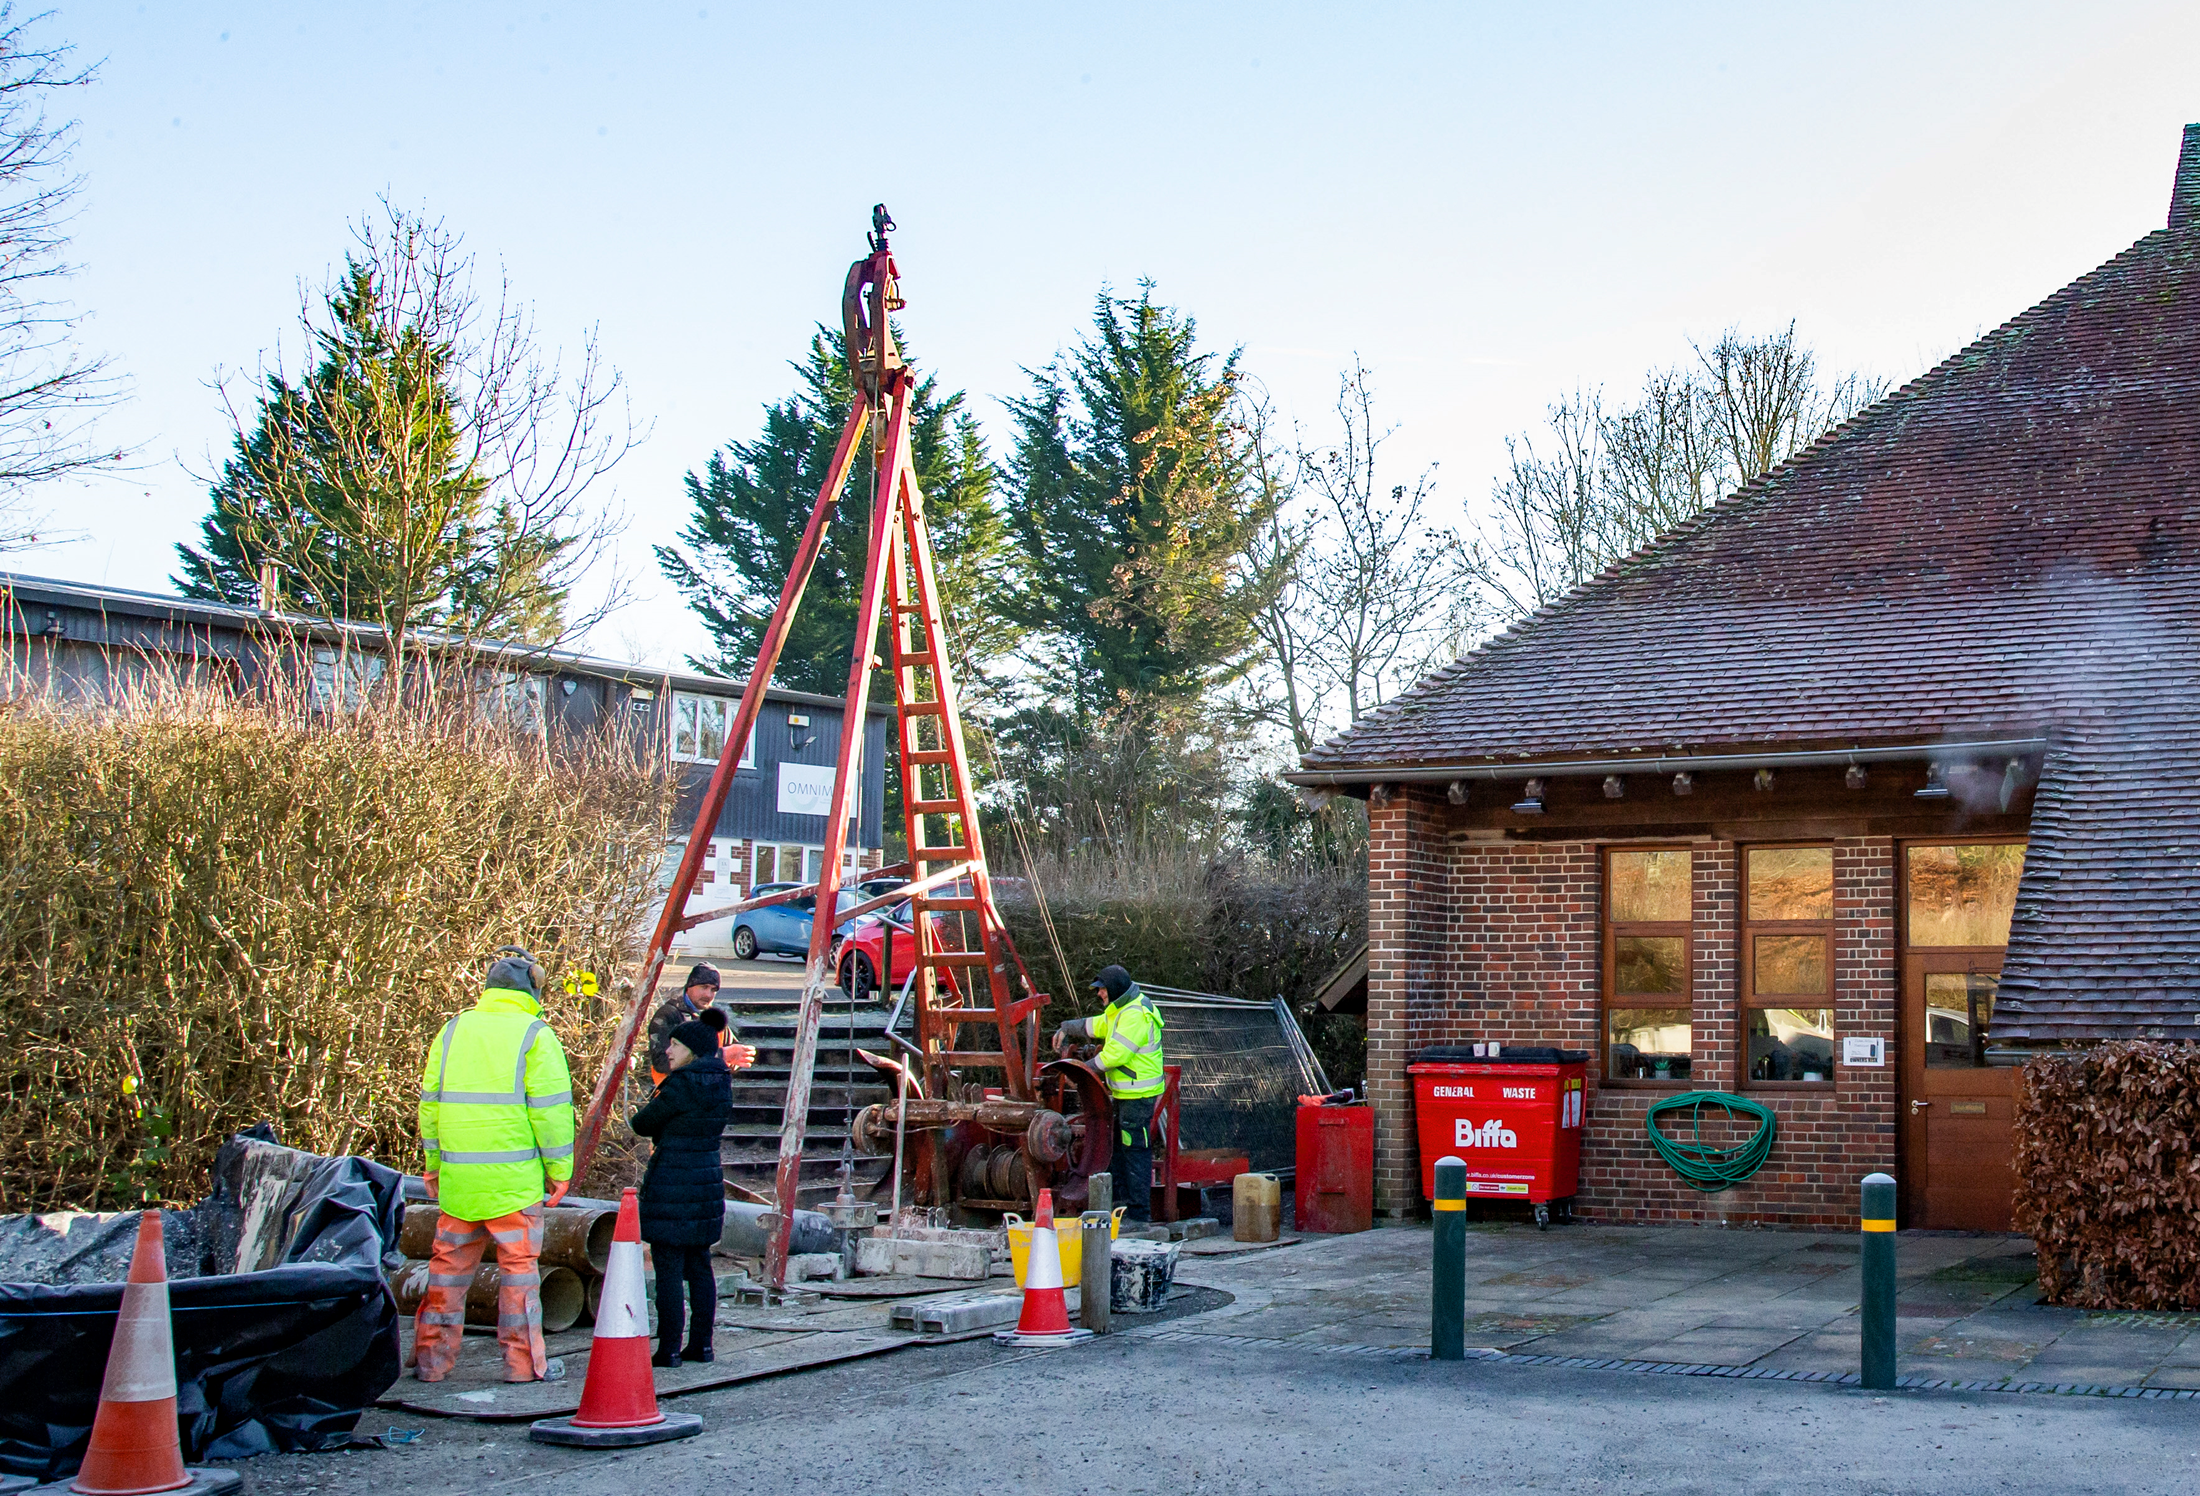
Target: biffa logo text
[(1491, 1134)]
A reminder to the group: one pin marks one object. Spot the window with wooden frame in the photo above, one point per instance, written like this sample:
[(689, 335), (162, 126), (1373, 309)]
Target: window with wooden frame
[(1648, 903), (1787, 965)]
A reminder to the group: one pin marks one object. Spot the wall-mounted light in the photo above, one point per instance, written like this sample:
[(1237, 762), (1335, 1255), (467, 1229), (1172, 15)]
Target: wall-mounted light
[(1615, 788), (569, 685), (1530, 802), (1856, 778), (1456, 792), (1764, 781), (53, 629), (1378, 794), (1684, 783), (2012, 778), (1936, 783)]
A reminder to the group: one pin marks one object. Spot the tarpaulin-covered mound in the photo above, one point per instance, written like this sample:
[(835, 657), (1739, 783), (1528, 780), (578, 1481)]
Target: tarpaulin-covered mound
[(285, 1330)]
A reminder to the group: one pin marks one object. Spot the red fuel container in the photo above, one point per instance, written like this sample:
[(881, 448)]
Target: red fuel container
[(1335, 1188), (1514, 1115)]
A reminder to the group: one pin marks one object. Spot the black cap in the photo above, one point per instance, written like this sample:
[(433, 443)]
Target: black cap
[(699, 1037), (702, 974), (1114, 980)]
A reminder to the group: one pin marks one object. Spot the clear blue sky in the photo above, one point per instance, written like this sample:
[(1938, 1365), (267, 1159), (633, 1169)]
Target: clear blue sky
[(1488, 203)]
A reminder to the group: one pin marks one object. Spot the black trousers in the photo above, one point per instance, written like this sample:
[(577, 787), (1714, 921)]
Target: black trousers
[(1133, 1165), (685, 1268)]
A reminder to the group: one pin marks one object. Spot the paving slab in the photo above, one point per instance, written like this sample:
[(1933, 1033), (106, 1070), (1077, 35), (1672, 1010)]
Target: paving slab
[(1760, 1300)]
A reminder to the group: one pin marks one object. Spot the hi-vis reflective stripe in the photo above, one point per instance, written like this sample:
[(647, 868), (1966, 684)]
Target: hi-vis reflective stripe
[(141, 1364), (507, 1155), (1447, 1204), (1153, 1027), (517, 1096), (1872, 1225), (622, 1315)]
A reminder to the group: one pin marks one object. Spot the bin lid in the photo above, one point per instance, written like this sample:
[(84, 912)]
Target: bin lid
[(1508, 1054)]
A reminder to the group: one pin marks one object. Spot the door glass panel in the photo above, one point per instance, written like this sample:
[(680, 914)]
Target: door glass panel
[(1650, 888), (1788, 965), (767, 865), (1648, 1043), (1963, 895), (1791, 1044), (1790, 883), (1649, 964), (1959, 1009)]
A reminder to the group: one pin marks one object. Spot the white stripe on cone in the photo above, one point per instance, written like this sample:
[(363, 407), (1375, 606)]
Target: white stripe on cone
[(623, 1314), (141, 1366), (1043, 1268)]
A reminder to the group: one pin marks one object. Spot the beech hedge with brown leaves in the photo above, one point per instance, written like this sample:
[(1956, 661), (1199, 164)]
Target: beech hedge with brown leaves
[(2108, 1180)]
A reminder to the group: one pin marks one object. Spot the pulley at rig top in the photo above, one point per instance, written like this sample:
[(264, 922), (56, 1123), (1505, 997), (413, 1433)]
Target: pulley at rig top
[(981, 1129)]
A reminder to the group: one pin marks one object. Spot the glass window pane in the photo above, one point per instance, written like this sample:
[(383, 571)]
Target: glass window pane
[(1959, 1009), (683, 727), (711, 729), (1791, 1044), (1648, 1043), (1963, 895), (1654, 964), (767, 865), (1789, 965), (1650, 887), (1790, 883)]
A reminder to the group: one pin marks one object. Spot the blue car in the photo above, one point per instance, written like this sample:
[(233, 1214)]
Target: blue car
[(780, 929)]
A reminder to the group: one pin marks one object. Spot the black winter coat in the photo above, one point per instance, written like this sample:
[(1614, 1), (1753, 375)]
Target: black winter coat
[(684, 1192)]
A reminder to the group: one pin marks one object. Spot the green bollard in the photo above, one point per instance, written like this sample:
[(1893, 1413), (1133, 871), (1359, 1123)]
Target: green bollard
[(1878, 1257), (1447, 1336)]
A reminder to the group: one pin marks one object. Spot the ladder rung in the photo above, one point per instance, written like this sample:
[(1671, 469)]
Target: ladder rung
[(930, 756), (940, 854), (922, 709), (950, 904), (938, 808), (907, 661), (955, 958), (970, 1057)]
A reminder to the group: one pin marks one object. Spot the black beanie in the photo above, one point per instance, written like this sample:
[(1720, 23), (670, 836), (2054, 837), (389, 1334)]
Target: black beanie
[(1114, 980), (699, 1037), (702, 974)]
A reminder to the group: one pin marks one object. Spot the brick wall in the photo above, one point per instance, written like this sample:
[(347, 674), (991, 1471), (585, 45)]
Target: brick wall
[(1521, 962), (1408, 894)]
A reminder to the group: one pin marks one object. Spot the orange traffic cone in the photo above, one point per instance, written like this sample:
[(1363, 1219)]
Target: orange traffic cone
[(135, 1448), (619, 1398), (1045, 1317)]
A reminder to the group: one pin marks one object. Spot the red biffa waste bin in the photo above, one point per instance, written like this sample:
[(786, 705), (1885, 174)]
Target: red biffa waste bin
[(1513, 1113)]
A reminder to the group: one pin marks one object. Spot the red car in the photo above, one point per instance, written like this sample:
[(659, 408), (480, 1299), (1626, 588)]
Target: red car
[(862, 954)]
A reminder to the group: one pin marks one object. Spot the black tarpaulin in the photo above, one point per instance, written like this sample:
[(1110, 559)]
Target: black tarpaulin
[(283, 1352)]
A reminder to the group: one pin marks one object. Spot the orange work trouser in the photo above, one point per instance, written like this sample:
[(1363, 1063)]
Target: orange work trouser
[(440, 1323)]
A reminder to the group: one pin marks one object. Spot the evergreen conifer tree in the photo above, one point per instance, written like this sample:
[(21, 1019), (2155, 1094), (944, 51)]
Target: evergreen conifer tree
[(753, 499)]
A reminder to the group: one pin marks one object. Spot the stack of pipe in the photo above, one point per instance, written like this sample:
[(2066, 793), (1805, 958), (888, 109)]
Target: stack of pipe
[(576, 1248)]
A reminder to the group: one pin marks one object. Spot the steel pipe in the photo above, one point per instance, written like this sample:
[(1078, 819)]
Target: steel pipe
[(564, 1296), (579, 1239)]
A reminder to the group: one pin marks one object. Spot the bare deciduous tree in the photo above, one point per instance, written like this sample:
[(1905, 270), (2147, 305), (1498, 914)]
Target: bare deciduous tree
[(50, 389), (1374, 590), (1596, 485)]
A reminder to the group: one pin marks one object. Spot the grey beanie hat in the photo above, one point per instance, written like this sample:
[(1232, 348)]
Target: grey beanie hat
[(518, 974)]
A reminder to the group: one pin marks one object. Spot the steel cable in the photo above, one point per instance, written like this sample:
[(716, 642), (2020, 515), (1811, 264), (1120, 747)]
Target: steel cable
[(1707, 1168)]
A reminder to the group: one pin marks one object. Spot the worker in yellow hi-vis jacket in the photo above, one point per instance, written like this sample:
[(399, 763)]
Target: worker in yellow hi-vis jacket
[(496, 1118), (1128, 1031)]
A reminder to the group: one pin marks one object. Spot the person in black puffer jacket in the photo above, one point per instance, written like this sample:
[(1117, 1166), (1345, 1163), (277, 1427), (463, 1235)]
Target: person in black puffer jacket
[(683, 1193)]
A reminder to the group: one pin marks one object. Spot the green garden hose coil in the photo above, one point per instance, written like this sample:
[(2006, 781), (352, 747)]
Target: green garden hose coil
[(1706, 1168)]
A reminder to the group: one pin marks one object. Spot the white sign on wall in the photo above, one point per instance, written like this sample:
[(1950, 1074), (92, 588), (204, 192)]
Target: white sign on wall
[(1863, 1051), (805, 789)]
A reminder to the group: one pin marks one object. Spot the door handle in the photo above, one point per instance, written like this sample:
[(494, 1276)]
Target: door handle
[(1918, 1106)]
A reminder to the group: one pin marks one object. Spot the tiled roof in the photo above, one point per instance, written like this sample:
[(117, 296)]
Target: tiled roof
[(2009, 542)]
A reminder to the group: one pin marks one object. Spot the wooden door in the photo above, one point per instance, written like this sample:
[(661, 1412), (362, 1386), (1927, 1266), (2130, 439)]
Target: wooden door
[(1957, 1109)]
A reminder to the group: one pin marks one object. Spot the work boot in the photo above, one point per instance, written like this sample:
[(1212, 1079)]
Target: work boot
[(667, 1357), (702, 1353)]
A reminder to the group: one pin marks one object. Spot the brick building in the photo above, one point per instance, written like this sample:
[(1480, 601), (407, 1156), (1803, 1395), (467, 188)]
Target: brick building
[(1846, 795)]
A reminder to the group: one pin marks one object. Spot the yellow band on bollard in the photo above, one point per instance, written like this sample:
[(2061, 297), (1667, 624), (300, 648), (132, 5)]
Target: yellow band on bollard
[(1879, 1225), (1447, 1205)]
